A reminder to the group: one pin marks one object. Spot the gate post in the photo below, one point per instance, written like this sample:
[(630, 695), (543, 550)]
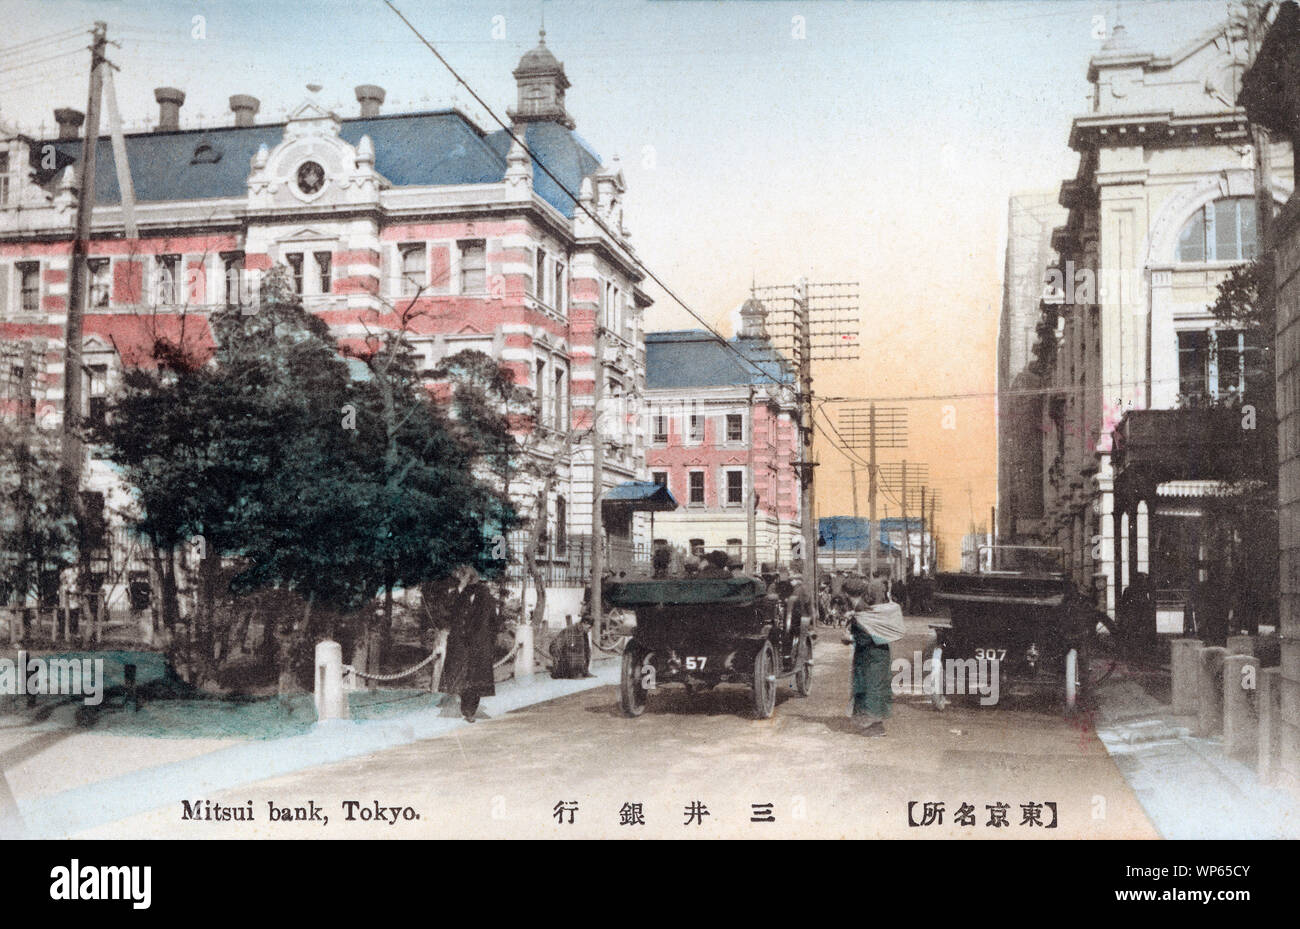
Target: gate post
[(1209, 704), (523, 651), (1240, 717), (331, 701), (1184, 659)]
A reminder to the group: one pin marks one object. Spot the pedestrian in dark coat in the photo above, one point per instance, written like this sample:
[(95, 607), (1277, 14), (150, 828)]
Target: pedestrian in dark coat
[(471, 643)]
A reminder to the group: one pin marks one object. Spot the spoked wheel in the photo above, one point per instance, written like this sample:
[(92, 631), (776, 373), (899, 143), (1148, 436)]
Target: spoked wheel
[(1071, 678), (631, 691), (936, 679), (803, 677), (765, 681)]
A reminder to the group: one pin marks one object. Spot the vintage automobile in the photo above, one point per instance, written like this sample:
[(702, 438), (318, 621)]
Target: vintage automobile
[(705, 631), (1016, 615)]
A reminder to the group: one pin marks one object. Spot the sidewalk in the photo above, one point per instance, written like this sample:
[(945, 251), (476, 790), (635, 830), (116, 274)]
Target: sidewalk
[(222, 765), (1186, 785)]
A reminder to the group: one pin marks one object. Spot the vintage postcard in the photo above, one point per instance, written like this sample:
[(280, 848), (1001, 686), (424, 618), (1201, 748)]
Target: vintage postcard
[(648, 419)]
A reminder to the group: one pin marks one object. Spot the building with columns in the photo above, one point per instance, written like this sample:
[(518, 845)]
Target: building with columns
[(1031, 218), (424, 221), (724, 437), (1162, 207)]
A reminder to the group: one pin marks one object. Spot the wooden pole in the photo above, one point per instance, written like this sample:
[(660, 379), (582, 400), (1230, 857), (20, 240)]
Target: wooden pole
[(751, 497), (871, 495), (597, 476), (70, 451), (806, 428)]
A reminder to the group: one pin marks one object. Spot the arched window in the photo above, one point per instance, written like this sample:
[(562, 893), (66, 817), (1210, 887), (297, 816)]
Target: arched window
[(1220, 231)]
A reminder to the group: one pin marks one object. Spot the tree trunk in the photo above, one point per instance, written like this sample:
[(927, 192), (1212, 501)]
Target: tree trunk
[(205, 622), (290, 644)]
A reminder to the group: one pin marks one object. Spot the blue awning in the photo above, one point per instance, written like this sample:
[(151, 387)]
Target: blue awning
[(639, 496)]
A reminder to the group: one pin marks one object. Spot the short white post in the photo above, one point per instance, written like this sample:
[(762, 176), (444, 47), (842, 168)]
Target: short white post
[(523, 651), (1240, 719), (1270, 723), (1241, 645), (1185, 671), (331, 701), (1209, 704)]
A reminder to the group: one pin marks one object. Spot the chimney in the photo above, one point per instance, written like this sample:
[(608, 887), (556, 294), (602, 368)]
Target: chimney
[(370, 97), (169, 107), (244, 107), (69, 121)]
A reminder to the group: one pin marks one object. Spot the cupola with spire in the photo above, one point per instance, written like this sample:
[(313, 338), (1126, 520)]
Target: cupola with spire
[(541, 83)]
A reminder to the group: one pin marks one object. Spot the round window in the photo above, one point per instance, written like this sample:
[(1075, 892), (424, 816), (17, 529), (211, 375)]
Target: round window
[(311, 177)]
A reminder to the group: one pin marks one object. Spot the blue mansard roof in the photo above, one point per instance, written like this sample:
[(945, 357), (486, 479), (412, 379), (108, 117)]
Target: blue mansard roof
[(441, 147), (695, 358)]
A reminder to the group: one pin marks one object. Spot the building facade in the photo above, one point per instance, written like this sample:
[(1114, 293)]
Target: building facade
[(723, 437), (1271, 95), (1031, 219), (418, 221), (1161, 209)]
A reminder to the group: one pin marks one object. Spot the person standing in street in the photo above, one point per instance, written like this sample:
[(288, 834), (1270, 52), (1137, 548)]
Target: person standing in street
[(871, 631), (476, 619)]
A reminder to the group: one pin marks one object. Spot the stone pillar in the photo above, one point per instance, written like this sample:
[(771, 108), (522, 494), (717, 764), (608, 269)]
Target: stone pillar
[(1269, 707), (1184, 655), (524, 653), (1241, 645), (1209, 691), (1240, 716), (331, 701)]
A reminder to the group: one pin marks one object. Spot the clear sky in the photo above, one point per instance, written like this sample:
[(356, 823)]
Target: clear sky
[(881, 146)]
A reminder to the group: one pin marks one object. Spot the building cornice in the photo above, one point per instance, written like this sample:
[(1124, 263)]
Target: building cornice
[(1157, 129)]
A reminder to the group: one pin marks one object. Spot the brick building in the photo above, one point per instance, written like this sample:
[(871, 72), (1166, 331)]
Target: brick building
[(723, 432), (420, 220)]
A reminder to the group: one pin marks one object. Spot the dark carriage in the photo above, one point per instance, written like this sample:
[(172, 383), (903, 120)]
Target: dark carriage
[(1018, 609), (701, 632)]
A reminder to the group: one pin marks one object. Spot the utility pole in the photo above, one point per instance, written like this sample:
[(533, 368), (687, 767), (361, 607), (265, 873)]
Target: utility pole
[(71, 446), (597, 475), (907, 530), (853, 480), (924, 559), (934, 538), (807, 502), (751, 498), (871, 494)]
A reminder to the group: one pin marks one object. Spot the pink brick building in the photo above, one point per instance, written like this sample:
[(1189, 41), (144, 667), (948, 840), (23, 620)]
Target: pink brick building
[(722, 428), (424, 217)]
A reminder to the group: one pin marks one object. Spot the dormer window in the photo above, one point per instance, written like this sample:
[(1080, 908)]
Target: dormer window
[(205, 153)]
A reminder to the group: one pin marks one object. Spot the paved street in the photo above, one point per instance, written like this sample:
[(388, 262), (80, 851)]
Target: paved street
[(504, 777)]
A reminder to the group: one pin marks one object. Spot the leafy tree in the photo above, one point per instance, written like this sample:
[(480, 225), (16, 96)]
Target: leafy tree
[(427, 486), (303, 478), (37, 532), (1246, 523)]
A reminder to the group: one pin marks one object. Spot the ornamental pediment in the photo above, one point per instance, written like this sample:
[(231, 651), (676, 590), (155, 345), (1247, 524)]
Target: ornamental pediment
[(313, 167)]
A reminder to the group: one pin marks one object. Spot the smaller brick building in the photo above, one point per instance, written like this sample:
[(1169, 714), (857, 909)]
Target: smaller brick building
[(721, 432)]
